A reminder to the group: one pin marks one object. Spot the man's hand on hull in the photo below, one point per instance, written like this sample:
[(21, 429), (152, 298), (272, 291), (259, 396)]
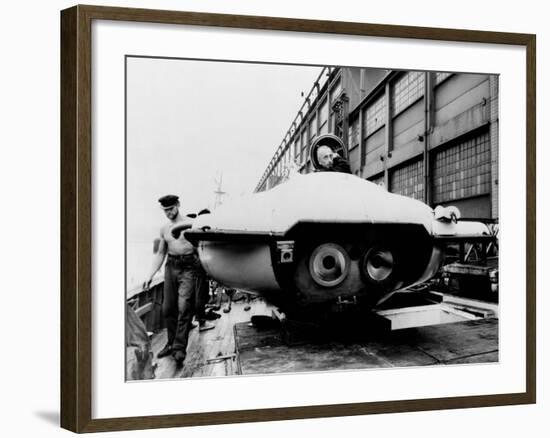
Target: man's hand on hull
[(178, 229)]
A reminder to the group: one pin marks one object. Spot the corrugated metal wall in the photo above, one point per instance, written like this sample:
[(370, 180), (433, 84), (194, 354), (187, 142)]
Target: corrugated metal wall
[(397, 120)]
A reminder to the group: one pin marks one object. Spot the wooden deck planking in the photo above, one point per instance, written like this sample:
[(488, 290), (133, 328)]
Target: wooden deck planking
[(208, 344)]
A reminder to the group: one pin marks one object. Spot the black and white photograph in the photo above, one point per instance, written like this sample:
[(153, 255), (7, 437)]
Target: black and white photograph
[(289, 218), (275, 218)]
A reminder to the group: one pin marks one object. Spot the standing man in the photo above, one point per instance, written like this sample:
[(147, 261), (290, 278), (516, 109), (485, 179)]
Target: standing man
[(183, 276)]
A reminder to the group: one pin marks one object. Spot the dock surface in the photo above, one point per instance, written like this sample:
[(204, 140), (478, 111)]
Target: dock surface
[(235, 347), (262, 352)]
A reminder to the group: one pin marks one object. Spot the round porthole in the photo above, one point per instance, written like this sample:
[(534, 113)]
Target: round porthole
[(329, 265), (378, 265)]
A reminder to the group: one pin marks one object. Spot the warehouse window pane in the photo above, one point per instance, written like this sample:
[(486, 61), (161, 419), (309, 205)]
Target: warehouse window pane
[(305, 144), (323, 117), (408, 180), (377, 179), (335, 91), (297, 150), (463, 170), (375, 115), (440, 77), (407, 90), (312, 127), (353, 133)]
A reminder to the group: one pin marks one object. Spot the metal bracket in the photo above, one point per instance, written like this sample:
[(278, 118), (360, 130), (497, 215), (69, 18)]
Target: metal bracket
[(343, 303), (285, 251)]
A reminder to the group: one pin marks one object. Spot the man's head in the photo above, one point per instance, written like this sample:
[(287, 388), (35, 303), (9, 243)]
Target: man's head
[(325, 156), (170, 205)]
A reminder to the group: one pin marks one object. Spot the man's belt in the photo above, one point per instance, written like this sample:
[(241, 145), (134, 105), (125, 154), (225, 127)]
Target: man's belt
[(182, 258)]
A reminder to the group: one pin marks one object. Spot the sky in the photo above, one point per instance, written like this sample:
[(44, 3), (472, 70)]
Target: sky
[(191, 123)]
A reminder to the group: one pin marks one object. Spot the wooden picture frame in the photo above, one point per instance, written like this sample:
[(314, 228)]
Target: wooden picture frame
[(76, 217)]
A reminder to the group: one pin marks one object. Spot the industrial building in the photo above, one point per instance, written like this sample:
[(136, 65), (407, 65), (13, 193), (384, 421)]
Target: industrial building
[(432, 136)]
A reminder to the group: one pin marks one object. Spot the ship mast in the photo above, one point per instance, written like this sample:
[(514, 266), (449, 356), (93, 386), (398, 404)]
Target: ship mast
[(219, 192)]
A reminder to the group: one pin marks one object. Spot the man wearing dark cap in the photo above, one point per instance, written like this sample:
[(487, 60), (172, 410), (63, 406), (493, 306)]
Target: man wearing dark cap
[(183, 277)]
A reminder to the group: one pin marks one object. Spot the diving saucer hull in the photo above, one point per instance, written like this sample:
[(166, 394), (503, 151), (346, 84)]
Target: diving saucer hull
[(246, 266), (322, 238), (327, 262)]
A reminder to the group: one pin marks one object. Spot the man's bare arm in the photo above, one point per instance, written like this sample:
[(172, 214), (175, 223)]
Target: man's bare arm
[(159, 253)]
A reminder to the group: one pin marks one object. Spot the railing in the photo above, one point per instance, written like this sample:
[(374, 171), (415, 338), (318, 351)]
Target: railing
[(148, 303)]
